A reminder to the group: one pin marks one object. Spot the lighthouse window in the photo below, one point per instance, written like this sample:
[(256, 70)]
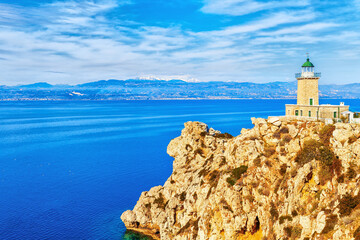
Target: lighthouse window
[(309, 113), (311, 101)]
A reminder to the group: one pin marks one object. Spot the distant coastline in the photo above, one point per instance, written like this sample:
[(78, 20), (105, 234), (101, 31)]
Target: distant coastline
[(155, 99), (134, 89)]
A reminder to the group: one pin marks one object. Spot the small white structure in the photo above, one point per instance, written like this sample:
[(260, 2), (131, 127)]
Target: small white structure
[(350, 115)]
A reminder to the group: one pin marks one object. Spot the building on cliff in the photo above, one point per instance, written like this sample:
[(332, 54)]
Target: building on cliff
[(308, 98)]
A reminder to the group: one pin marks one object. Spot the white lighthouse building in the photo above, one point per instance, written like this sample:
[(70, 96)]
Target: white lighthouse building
[(308, 97)]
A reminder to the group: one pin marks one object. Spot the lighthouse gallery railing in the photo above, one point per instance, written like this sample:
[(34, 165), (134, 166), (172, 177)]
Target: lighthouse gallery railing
[(298, 75)]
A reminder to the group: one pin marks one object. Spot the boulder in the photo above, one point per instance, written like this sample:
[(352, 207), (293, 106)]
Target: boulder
[(275, 121)]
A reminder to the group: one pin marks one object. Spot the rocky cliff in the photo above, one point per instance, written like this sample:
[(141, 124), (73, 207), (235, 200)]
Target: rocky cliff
[(282, 179)]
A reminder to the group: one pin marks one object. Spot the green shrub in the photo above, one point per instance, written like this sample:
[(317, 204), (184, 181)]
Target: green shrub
[(274, 212), (296, 233), (257, 162), (326, 156), (325, 133), (351, 173), (283, 218), (269, 151), (268, 163), (286, 138), (347, 204), (330, 164), (223, 135), (336, 166), (231, 181), (318, 194), (288, 231), (325, 175), (160, 201), (341, 178), (236, 174), (255, 184), (308, 152), (294, 213), (277, 135), (283, 169), (284, 130)]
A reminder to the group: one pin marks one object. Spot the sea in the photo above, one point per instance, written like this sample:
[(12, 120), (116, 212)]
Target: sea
[(68, 169)]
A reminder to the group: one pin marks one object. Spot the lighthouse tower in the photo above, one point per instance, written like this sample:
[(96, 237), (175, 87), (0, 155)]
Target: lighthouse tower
[(308, 98), (308, 87)]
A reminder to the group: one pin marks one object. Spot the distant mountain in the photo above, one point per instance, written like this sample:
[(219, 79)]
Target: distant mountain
[(138, 89), (36, 85)]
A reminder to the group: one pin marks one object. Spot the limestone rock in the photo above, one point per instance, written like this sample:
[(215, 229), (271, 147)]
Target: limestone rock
[(130, 218), (320, 222), (275, 121), (250, 186), (306, 224)]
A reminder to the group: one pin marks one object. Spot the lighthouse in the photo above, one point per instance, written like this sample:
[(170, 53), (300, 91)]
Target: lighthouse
[(308, 97), (308, 85)]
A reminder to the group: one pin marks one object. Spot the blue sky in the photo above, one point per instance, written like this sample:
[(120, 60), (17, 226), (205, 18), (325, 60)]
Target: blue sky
[(195, 40)]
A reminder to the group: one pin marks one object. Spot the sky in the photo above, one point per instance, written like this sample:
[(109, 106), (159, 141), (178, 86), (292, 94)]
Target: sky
[(71, 42)]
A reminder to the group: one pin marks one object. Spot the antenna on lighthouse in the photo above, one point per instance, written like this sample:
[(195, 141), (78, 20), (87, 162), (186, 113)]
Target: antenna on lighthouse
[(307, 55)]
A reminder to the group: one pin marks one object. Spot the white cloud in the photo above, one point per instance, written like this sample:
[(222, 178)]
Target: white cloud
[(76, 43), (87, 7), (243, 7), (304, 29), (265, 23)]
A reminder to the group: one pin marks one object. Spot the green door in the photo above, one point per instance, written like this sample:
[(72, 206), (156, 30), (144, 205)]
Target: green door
[(311, 102), (296, 112), (335, 115), (309, 113)]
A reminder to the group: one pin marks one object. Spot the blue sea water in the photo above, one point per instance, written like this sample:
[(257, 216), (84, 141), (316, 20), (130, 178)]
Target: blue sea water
[(69, 169)]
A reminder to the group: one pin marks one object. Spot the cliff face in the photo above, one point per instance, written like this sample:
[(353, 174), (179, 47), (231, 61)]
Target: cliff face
[(282, 179)]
